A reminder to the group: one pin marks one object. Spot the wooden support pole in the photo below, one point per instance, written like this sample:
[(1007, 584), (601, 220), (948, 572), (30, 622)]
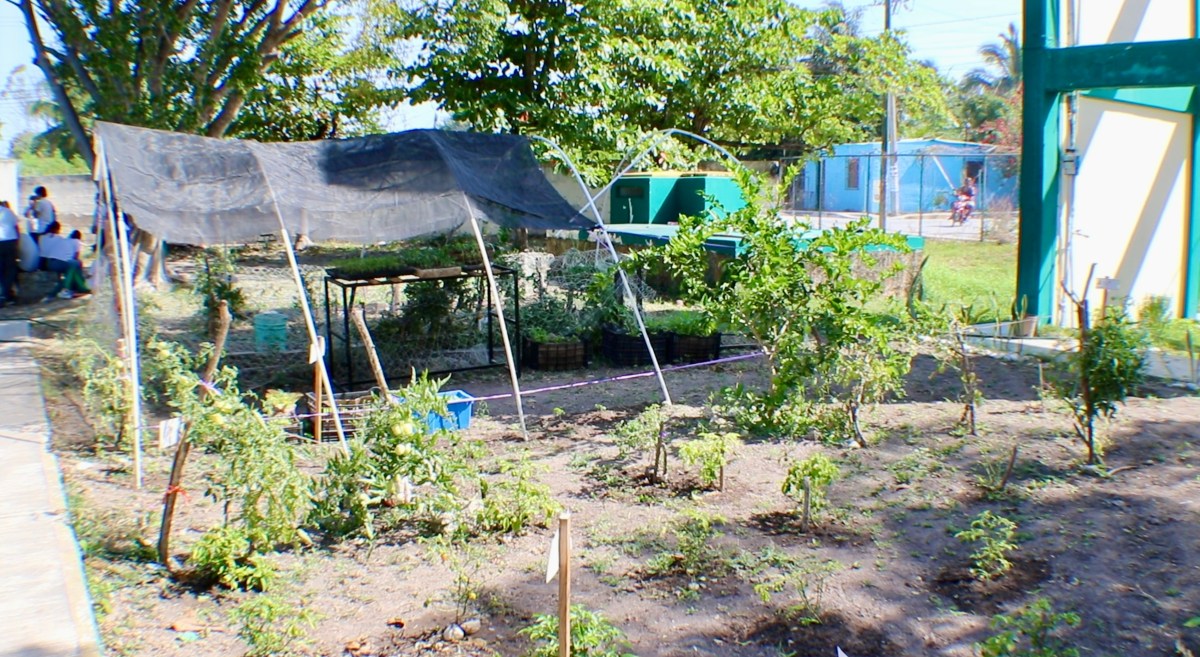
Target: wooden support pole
[(181, 450), (319, 406), (360, 323), (564, 585)]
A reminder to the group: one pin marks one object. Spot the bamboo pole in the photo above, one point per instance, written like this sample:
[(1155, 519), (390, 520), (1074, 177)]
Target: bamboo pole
[(319, 405), (124, 270), (564, 585), (309, 322), (508, 350), (360, 323)]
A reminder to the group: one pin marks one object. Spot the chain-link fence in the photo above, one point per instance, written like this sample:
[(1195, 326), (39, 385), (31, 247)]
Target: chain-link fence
[(922, 189)]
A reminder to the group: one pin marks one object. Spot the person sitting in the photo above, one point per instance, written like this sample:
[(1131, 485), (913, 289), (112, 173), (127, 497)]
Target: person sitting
[(61, 256)]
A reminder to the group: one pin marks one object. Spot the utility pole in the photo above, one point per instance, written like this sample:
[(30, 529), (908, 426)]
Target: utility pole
[(885, 144)]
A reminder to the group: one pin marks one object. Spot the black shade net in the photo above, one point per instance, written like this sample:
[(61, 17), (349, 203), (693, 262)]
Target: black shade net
[(197, 190)]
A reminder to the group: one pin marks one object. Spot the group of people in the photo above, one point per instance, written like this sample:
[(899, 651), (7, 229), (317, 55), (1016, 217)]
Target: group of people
[(54, 253)]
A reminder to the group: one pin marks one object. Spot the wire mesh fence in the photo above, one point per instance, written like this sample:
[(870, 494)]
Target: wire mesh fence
[(922, 189), (446, 323)]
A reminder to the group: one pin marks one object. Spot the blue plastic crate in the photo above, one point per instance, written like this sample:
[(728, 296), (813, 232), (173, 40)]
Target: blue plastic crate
[(461, 406)]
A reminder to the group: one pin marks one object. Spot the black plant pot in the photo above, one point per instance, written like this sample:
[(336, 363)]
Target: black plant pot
[(555, 355), (695, 348), (626, 349)]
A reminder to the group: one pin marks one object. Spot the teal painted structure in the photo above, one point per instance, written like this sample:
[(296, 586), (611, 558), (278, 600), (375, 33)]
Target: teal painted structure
[(660, 198), (1159, 74)]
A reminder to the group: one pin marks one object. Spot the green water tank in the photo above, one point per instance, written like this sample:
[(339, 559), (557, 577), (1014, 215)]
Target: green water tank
[(643, 198), (692, 193), (660, 198)]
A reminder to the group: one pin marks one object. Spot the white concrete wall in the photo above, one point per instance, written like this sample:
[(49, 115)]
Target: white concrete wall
[(569, 187), (9, 170), (1124, 21), (1130, 200)]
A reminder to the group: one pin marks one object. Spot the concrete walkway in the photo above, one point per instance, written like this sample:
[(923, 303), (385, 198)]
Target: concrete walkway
[(45, 609), (1160, 364)]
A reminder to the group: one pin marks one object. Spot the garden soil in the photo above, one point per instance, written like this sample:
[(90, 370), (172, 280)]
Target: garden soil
[(1119, 550)]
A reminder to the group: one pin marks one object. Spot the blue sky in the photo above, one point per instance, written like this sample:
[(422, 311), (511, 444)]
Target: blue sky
[(948, 32)]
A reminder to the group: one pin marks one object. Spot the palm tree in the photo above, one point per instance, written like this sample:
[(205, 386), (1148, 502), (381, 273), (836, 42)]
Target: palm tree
[(1001, 73)]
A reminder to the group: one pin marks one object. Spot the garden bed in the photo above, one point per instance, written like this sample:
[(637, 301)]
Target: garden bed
[(1117, 550)]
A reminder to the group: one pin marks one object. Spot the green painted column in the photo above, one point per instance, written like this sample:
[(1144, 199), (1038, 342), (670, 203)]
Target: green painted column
[(1039, 163), (1191, 271)]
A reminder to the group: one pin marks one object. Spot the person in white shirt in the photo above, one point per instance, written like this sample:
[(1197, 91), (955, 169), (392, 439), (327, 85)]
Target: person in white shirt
[(40, 212), (10, 233), (61, 255)]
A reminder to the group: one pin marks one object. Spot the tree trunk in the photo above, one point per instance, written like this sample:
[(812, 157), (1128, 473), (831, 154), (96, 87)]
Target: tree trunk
[(42, 59), (151, 261)]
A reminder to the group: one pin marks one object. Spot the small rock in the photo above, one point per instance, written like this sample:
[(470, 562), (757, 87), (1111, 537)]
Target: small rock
[(453, 633), (472, 626)]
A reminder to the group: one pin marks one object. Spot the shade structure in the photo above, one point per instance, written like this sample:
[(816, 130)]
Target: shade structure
[(198, 190)]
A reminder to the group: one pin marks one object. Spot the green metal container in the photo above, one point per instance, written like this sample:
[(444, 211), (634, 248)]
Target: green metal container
[(270, 332)]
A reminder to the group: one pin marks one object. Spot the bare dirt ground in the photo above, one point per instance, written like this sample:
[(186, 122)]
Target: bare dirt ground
[(1120, 551)]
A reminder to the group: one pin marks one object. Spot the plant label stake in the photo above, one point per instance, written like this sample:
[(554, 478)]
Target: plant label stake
[(559, 564)]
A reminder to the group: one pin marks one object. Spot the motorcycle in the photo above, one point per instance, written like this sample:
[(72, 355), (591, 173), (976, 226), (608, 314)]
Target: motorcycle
[(961, 210)]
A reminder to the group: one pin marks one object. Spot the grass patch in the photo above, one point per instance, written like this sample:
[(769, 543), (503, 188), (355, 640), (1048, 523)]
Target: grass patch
[(982, 274)]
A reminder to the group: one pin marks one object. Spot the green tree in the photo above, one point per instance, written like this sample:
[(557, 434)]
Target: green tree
[(594, 76), (194, 66), (1001, 73), (803, 298)]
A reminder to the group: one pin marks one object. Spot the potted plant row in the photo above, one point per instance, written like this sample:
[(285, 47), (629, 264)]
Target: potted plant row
[(443, 256), (553, 335), (694, 335)]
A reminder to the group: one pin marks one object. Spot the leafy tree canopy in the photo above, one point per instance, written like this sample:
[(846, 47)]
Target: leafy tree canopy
[(594, 76), (269, 69)]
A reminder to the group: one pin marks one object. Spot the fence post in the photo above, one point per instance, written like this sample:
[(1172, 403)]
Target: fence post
[(921, 199), (821, 193)]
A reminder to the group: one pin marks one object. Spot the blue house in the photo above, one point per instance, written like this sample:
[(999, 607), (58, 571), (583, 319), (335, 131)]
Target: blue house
[(926, 173)]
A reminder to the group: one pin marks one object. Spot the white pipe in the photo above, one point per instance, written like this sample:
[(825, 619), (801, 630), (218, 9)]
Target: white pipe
[(128, 312), (495, 291), (612, 251)]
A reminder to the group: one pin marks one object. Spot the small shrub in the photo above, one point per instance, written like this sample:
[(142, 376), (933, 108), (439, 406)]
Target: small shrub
[(418, 476), (1154, 315), (694, 552), (645, 432), (515, 502), (214, 283), (592, 635), (1108, 367), (225, 555), (1031, 632), (107, 397), (271, 626), (802, 581), (711, 451), (993, 537), (465, 561), (819, 470)]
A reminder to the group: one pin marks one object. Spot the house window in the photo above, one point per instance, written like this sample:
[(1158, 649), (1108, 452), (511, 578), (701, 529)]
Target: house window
[(852, 173)]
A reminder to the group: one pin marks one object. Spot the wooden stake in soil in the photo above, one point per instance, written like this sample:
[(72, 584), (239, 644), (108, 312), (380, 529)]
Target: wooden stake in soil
[(1191, 358), (807, 505), (184, 445), (564, 585), (360, 323)]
